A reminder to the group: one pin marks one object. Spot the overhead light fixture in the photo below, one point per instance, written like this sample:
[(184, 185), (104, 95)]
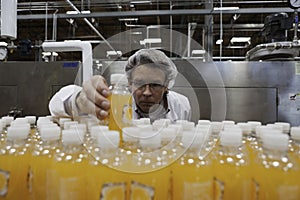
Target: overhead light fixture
[(136, 33), (74, 12), (240, 40), (226, 8), (198, 52), (49, 54), (219, 41), (140, 2), (113, 53), (128, 19), (150, 41)]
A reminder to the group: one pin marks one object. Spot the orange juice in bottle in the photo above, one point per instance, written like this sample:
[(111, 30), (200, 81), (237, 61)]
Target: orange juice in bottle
[(149, 177), (276, 172), (105, 179), (67, 177), (14, 164), (43, 159), (120, 114), (192, 173), (231, 167)]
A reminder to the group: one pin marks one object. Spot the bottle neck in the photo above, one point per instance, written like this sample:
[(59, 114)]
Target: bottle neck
[(274, 154)]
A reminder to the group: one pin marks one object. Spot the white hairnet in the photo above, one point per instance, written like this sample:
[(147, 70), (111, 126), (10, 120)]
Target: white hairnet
[(156, 57)]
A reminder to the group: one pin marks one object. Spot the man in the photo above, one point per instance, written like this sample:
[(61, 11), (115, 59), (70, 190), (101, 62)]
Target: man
[(150, 75)]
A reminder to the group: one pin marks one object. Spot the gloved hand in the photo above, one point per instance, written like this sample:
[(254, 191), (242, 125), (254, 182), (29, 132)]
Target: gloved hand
[(93, 97)]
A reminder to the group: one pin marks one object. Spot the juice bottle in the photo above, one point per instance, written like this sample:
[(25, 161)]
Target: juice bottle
[(131, 139), (14, 164), (276, 173), (294, 144), (231, 167), (120, 102), (192, 173), (150, 177), (105, 179), (43, 159), (68, 175)]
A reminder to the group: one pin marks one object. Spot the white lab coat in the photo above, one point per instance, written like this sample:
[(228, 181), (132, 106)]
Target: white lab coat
[(62, 104)]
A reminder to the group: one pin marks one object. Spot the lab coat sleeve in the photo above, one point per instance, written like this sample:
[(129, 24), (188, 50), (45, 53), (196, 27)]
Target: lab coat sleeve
[(62, 104)]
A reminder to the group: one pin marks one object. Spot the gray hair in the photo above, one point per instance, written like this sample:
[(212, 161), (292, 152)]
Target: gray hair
[(155, 57)]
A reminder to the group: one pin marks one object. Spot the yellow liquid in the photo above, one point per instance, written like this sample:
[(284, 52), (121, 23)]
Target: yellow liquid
[(191, 182), (66, 179), (231, 181), (119, 104), (277, 184), (14, 176), (39, 167), (107, 183), (154, 185)]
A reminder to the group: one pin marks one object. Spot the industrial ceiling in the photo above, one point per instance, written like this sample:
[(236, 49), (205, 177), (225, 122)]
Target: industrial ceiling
[(206, 21)]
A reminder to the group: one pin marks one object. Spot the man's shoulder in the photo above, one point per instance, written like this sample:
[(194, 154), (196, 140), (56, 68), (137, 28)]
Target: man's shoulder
[(173, 94)]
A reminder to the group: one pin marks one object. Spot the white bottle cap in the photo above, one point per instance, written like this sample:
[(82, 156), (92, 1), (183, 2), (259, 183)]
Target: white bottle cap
[(260, 129), (77, 126), (17, 132), (186, 125), (193, 138), (71, 137), (228, 122), (150, 139), (254, 124), (275, 141), (245, 127), (31, 119), (285, 126), (231, 137), (178, 128), (204, 122), (20, 122), (41, 125), (295, 133), (62, 120), (50, 133), (276, 127), (98, 129), (118, 79), (141, 121), (160, 124), (168, 134), (216, 127), (204, 128), (69, 123), (6, 120), (131, 134), (108, 139)]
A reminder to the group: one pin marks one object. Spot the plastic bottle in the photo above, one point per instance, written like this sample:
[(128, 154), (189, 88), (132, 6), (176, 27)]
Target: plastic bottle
[(231, 167), (105, 178), (277, 174), (14, 164), (192, 173), (43, 160), (149, 178), (68, 176), (120, 114)]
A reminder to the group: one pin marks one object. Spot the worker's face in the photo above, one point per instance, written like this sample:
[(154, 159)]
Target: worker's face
[(148, 85)]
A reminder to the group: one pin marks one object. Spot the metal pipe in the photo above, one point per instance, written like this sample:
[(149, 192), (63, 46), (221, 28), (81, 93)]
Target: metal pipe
[(54, 26), (46, 22), (83, 46), (91, 26)]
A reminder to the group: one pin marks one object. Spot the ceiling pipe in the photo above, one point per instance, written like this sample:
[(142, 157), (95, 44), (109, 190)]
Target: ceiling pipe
[(76, 45), (91, 26)]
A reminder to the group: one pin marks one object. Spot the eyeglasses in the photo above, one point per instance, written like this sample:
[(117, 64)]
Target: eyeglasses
[(156, 87)]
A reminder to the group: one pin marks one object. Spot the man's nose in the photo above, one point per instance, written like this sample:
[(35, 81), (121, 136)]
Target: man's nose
[(147, 91)]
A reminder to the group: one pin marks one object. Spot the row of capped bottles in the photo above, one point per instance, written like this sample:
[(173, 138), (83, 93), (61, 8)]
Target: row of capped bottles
[(40, 159)]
